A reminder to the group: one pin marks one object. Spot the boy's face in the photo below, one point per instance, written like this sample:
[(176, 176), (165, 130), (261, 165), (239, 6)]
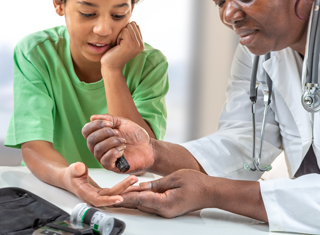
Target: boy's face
[(94, 25)]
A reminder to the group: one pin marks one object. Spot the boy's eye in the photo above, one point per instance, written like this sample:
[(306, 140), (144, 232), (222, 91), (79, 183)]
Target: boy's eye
[(118, 17), (86, 15)]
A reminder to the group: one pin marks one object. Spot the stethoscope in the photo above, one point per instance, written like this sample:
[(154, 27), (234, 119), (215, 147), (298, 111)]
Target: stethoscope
[(310, 98)]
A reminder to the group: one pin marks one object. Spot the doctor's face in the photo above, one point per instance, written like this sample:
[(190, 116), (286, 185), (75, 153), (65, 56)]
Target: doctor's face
[(267, 25)]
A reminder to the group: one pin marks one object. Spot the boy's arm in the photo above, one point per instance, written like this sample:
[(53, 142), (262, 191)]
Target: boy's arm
[(119, 98), (49, 166)]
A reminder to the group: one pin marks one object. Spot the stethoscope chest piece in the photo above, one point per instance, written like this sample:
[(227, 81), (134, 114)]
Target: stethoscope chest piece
[(311, 96), (310, 99)]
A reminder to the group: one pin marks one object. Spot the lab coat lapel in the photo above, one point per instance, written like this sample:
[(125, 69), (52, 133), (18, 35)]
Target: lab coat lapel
[(283, 69)]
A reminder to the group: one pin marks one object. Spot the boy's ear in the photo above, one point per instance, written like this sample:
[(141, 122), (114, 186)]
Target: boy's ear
[(59, 6)]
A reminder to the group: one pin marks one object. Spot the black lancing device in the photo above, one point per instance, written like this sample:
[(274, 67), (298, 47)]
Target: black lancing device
[(122, 164)]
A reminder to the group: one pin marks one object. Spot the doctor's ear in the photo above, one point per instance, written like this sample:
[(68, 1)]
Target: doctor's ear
[(59, 6)]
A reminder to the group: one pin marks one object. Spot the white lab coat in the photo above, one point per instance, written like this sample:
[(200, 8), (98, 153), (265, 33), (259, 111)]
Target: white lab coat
[(292, 205)]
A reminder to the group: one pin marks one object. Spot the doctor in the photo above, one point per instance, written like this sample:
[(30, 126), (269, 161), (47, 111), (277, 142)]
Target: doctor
[(209, 172)]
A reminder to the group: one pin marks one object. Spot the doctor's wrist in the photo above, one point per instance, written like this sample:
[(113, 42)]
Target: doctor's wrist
[(239, 196), (155, 156)]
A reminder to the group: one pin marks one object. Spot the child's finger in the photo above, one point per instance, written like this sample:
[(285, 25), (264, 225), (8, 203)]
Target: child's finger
[(132, 33), (120, 187), (138, 35), (135, 188), (125, 34), (138, 31), (119, 38), (105, 200)]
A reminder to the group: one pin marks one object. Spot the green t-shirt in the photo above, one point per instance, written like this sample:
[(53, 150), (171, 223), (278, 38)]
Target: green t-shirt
[(52, 104)]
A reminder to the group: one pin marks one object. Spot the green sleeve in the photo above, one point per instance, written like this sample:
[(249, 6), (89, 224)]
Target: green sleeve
[(33, 108), (149, 96)]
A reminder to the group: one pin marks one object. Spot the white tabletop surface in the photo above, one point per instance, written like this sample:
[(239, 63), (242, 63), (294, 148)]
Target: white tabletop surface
[(207, 221)]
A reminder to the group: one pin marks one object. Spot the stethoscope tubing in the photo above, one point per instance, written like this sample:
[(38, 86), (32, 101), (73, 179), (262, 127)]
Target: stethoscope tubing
[(311, 81), (312, 39), (267, 99), (315, 55), (253, 88)]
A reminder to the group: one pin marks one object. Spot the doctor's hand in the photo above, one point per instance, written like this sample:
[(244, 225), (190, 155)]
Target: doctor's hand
[(185, 190), (108, 137), (79, 182), (129, 44), (178, 193)]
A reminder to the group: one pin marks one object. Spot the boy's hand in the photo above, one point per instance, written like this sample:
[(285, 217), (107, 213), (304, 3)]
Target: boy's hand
[(79, 182), (129, 44)]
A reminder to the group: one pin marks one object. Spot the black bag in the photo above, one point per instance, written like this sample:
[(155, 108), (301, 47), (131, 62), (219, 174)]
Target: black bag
[(22, 212)]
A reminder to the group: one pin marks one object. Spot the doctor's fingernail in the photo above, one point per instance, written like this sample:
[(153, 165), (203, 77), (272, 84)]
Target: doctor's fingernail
[(121, 148), (107, 124), (122, 140), (116, 132), (145, 186)]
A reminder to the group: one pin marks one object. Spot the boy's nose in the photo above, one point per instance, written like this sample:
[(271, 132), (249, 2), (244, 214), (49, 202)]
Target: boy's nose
[(102, 27)]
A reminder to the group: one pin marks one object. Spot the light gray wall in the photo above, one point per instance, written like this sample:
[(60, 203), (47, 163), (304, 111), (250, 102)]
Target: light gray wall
[(9, 156), (214, 48)]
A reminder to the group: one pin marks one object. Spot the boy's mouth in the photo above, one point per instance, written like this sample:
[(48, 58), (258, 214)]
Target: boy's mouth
[(98, 47)]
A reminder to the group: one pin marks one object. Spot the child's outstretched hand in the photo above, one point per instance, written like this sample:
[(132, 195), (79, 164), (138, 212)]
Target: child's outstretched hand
[(79, 182), (129, 44)]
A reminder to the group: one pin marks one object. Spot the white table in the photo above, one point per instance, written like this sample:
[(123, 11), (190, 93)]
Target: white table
[(207, 221)]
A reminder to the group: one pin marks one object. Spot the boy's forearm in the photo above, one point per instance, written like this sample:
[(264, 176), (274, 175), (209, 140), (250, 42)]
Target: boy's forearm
[(119, 98), (45, 162)]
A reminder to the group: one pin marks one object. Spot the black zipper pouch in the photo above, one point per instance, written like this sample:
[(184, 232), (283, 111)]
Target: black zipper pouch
[(22, 212)]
